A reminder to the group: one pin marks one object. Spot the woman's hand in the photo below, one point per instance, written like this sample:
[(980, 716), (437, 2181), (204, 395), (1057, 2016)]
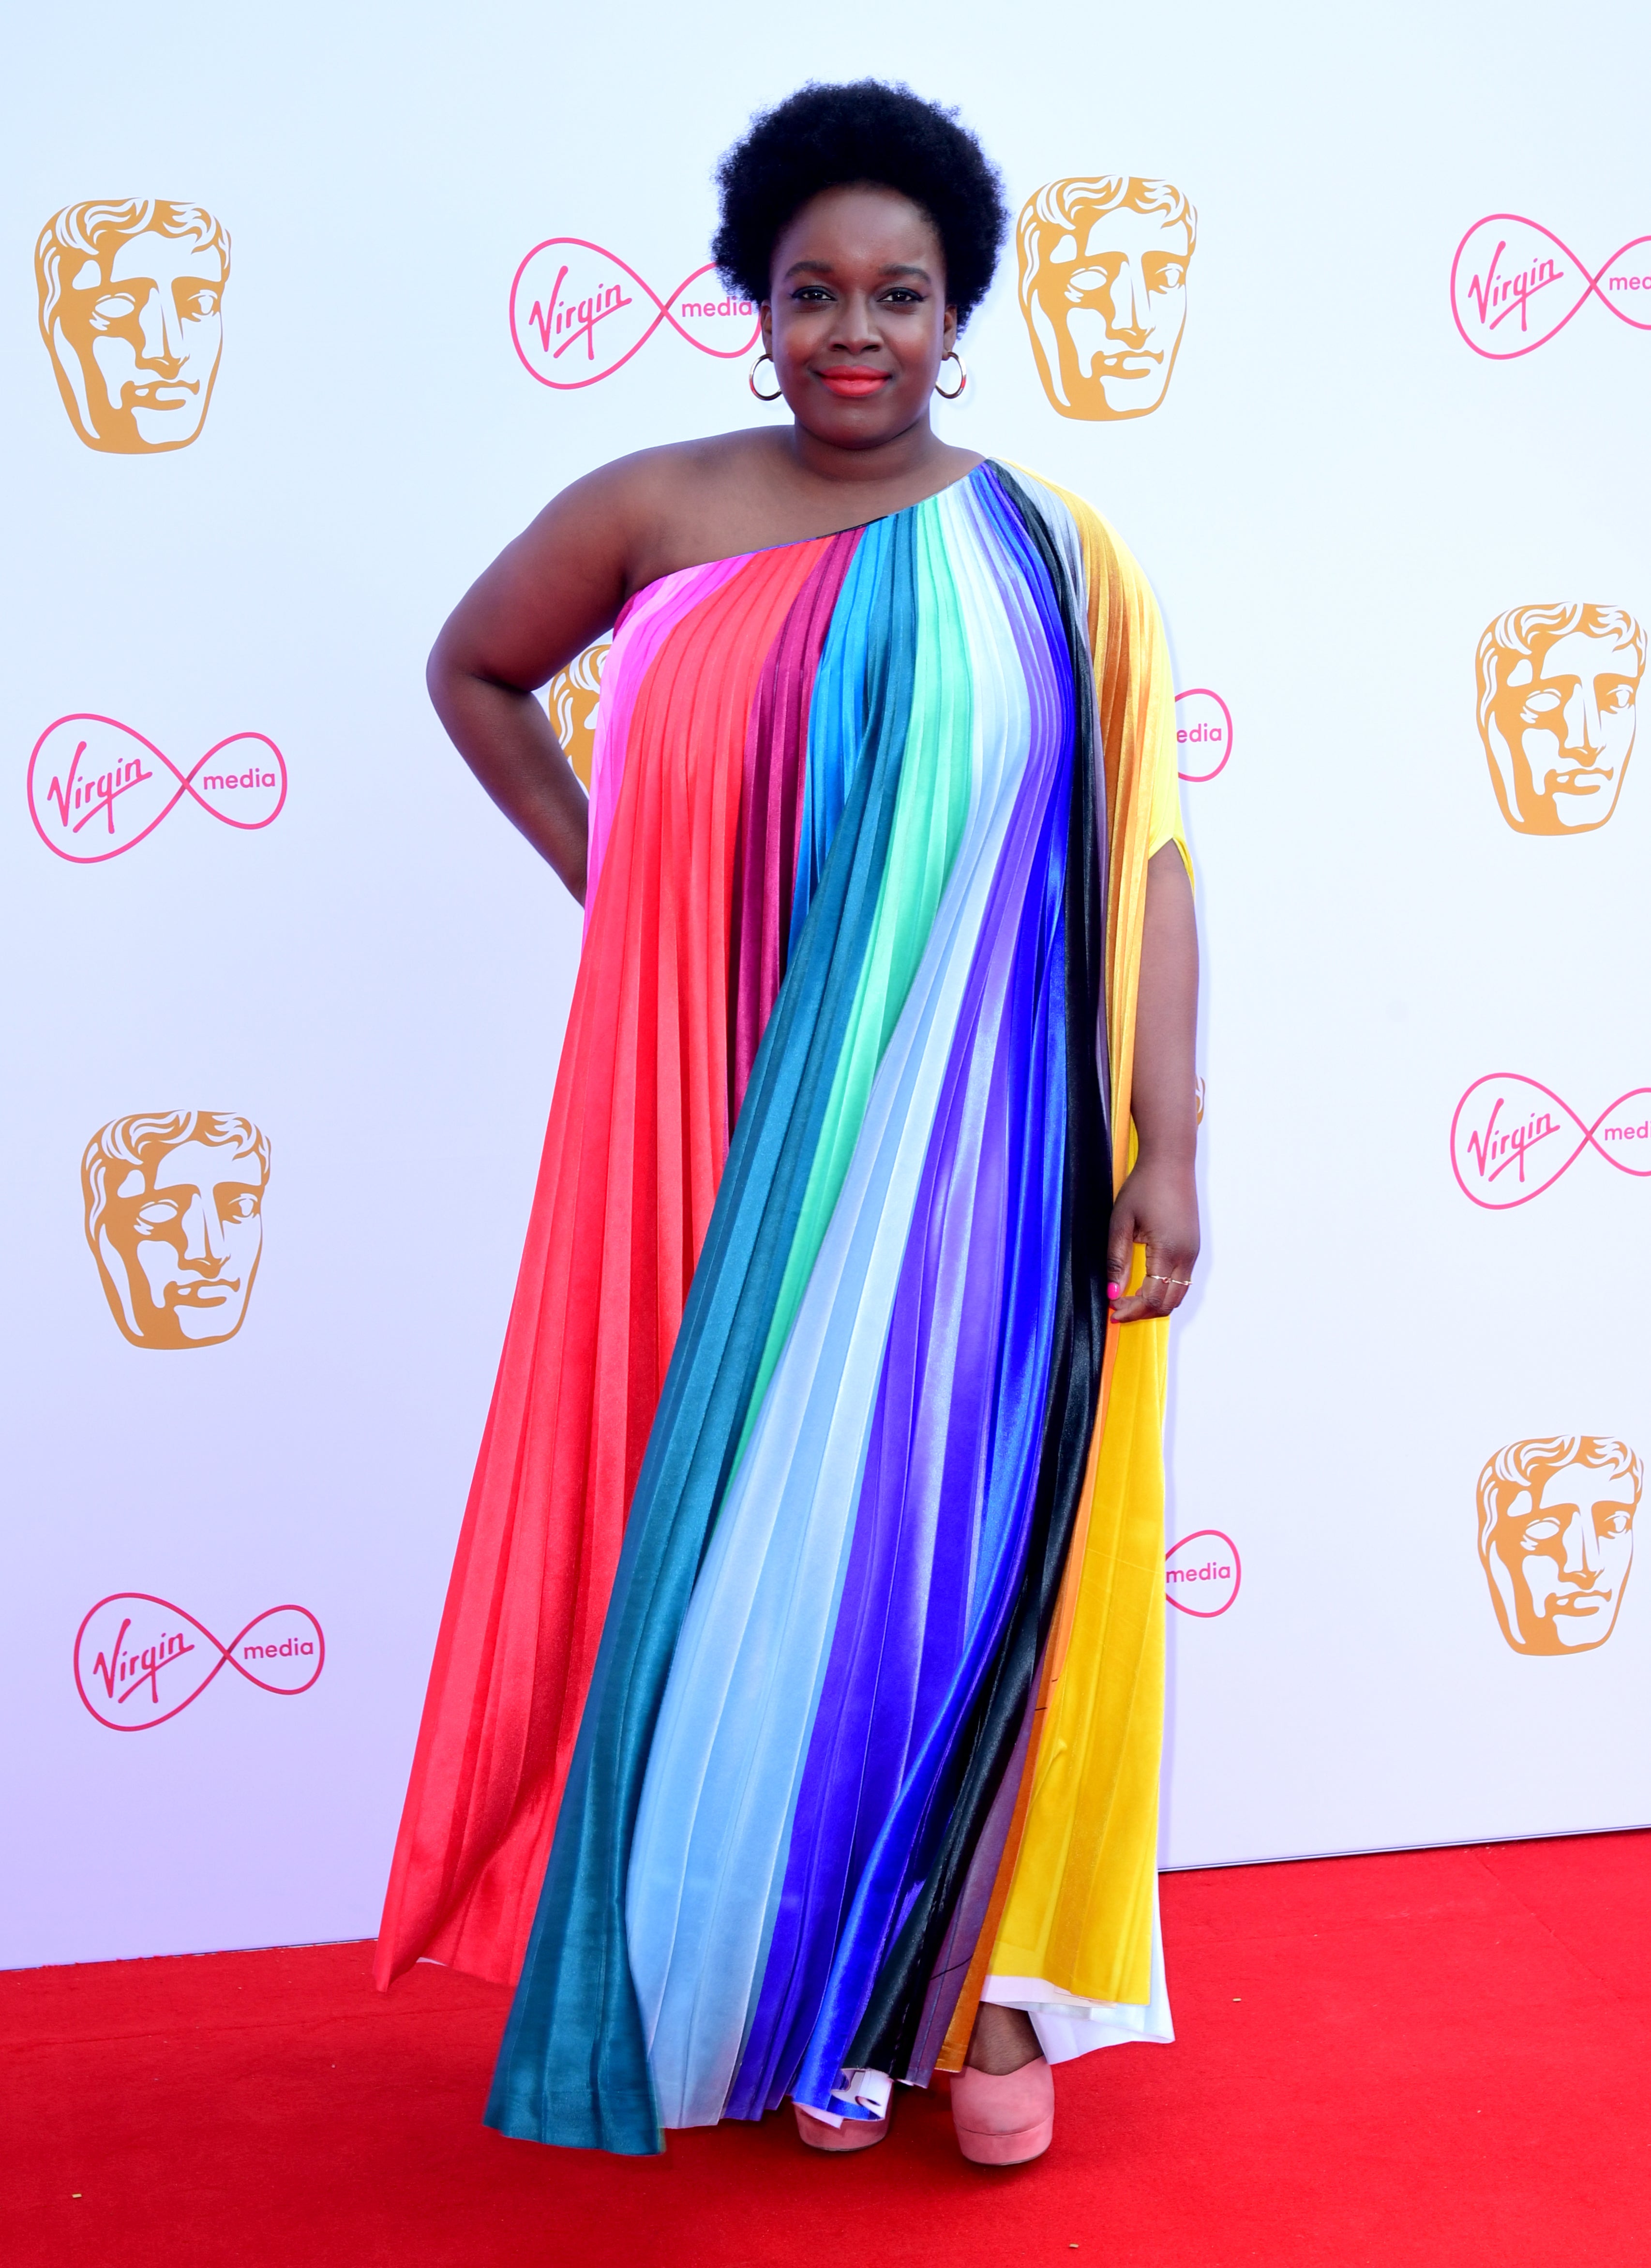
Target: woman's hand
[(1158, 1205)]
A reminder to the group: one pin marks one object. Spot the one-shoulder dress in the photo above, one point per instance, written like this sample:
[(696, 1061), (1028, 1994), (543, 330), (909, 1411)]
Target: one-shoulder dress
[(800, 1680)]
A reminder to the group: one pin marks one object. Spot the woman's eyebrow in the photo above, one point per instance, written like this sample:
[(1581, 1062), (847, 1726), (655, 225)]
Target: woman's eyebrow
[(828, 268)]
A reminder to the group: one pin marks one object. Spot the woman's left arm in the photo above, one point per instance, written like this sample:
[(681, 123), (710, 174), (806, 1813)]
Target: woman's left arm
[(1158, 1205)]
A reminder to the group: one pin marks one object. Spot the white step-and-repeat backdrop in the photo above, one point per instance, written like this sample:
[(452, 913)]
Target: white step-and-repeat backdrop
[(1346, 323)]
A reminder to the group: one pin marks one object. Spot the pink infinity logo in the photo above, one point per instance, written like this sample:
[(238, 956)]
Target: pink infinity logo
[(1513, 285), (577, 313), (1203, 736), (97, 788), (1508, 1139), (1206, 1582), (139, 1659)]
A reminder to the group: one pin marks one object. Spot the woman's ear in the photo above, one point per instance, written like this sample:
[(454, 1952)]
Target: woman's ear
[(765, 320), (948, 332)]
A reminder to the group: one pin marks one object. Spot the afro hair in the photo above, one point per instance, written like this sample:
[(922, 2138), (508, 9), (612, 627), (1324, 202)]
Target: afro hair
[(823, 138)]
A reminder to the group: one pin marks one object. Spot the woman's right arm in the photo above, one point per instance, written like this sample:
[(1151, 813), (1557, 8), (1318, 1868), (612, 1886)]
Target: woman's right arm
[(546, 596)]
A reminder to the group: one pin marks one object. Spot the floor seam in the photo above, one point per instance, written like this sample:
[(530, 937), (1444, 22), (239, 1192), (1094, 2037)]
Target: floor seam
[(1605, 1982)]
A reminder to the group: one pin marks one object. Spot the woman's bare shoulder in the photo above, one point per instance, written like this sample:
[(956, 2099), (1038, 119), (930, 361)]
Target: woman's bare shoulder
[(674, 506), (564, 579), (679, 473), (660, 510)]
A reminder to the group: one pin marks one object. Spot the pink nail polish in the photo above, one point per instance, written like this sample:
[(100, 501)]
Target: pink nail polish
[(1113, 1290)]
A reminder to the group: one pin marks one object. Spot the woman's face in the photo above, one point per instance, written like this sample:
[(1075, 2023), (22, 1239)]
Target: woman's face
[(857, 319)]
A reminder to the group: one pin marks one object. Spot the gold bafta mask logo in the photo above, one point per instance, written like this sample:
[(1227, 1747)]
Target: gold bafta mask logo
[(1103, 288), (174, 1201), (131, 311), (573, 697), (1558, 695), (1556, 1539)]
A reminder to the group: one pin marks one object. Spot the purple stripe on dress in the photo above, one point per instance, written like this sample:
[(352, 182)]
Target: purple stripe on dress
[(957, 1947), (896, 1867)]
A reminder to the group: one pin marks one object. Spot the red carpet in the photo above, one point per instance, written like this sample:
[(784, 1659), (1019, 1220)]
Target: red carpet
[(1437, 2057)]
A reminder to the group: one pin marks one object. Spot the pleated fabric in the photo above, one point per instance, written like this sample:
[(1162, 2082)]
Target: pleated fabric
[(806, 1628)]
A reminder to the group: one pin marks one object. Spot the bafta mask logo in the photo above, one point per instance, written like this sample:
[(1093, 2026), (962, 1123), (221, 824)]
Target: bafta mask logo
[(1556, 1538), (131, 299), (1103, 288), (1558, 695), (573, 697), (174, 1201)]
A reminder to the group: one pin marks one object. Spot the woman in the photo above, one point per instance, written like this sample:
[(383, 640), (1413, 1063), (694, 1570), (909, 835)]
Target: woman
[(845, 1769)]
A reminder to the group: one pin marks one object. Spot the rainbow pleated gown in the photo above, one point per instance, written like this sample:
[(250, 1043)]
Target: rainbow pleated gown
[(800, 1679)]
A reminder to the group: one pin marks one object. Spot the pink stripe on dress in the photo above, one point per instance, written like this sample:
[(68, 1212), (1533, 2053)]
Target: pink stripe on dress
[(646, 621)]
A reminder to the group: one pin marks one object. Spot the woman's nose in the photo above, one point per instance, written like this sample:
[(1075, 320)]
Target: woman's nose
[(857, 326)]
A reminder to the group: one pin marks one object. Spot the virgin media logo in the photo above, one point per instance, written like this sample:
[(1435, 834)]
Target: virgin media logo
[(1514, 285), (577, 313), (1202, 1574), (1203, 734), (1512, 1137), (97, 788), (139, 1659)]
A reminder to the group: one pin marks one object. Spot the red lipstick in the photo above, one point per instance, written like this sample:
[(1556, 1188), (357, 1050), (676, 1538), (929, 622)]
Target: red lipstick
[(850, 384)]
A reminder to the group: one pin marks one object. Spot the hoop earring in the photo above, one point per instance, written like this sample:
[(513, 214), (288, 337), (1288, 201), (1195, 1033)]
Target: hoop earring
[(750, 377), (962, 377)]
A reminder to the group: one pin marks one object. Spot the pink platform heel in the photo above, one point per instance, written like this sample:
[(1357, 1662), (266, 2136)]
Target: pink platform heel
[(1004, 2117), (852, 2134)]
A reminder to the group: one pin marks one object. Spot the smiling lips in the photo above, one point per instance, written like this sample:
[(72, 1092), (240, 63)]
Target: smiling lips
[(854, 383)]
